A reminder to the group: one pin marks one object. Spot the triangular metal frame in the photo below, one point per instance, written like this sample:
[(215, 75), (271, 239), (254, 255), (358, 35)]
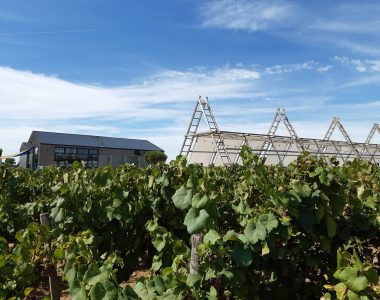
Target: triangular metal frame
[(223, 147), (279, 117), (202, 110), (375, 128), (335, 123)]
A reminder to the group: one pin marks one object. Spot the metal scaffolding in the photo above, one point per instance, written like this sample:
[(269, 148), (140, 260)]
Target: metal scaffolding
[(223, 147)]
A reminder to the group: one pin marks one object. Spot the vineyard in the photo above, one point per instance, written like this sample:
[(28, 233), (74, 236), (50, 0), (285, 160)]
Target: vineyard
[(310, 230)]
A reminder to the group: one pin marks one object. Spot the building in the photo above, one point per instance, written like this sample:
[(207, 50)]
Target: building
[(62, 149)]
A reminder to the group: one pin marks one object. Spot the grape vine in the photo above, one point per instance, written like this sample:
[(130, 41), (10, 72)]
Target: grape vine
[(306, 231)]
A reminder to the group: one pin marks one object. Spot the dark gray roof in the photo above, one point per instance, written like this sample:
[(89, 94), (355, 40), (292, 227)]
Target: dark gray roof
[(55, 138)]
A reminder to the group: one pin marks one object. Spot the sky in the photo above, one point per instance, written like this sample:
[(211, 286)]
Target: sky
[(135, 68)]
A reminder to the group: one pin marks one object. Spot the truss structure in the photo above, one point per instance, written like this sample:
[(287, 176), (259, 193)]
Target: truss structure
[(223, 147)]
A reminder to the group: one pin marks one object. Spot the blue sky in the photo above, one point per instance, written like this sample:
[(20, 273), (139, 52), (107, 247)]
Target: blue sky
[(134, 68)]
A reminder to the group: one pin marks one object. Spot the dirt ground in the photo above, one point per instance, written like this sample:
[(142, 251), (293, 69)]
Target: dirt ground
[(135, 276)]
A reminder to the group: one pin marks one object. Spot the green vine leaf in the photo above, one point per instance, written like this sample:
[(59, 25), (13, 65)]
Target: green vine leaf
[(358, 284), (159, 242), (347, 274), (211, 237), (94, 275), (182, 198), (199, 202), (269, 221), (77, 291), (196, 220), (97, 292), (255, 232), (340, 290)]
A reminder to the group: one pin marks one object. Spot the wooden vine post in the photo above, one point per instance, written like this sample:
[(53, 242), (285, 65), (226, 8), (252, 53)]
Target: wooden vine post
[(196, 240), (54, 285)]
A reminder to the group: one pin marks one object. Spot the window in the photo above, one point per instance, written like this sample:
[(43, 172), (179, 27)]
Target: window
[(59, 150), (65, 156), (82, 151), (71, 150)]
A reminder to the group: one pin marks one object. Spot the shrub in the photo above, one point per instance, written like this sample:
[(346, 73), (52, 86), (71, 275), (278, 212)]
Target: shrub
[(154, 157)]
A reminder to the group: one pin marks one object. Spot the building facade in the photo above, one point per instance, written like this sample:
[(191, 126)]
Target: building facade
[(62, 149)]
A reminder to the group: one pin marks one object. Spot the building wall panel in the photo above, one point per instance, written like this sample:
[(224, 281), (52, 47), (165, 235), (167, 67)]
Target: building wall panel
[(45, 155), (116, 157)]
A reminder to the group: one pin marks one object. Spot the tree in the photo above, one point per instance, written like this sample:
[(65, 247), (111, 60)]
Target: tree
[(154, 157), (10, 161)]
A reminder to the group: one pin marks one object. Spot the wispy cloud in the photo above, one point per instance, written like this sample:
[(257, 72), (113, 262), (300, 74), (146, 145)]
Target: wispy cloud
[(38, 101), (350, 18), (307, 65), (362, 66), (370, 47), (353, 26), (159, 107), (340, 24), (25, 95), (245, 15)]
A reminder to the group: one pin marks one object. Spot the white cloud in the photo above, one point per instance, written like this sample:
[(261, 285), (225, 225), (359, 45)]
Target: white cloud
[(236, 74), (163, 103), (308, 65), (25, 95), (324, 68), (362, 66), (202, 74), (245, 15), (353, 26), (37, 101)]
